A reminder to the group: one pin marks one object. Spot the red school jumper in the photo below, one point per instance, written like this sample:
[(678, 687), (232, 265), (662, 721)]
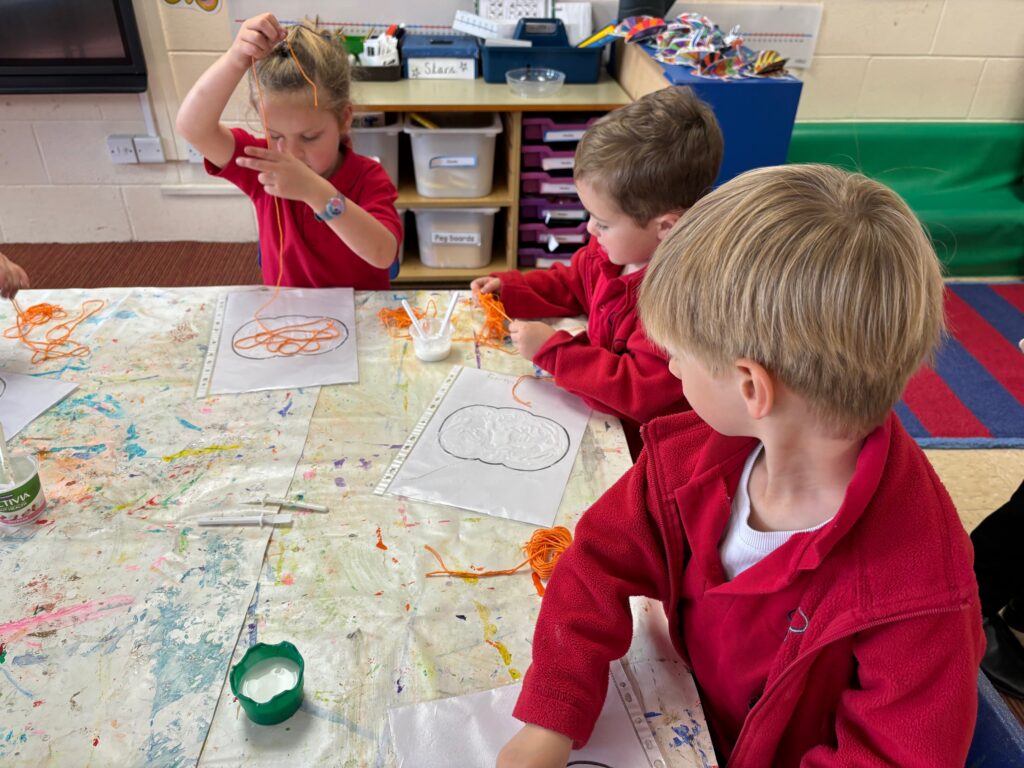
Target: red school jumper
[(612, 366), (314, 256), (857, 644)]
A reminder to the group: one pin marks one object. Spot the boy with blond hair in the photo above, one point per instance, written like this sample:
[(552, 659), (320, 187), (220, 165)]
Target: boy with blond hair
[(636, 170), (814, 572)]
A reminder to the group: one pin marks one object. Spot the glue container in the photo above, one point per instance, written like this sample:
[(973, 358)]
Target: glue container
[(268, 682), (434, 345), (22, 500)]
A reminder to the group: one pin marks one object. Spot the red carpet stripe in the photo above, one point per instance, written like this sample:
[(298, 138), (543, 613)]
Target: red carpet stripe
[(1013, 293), (1000, 358), (938, 409)]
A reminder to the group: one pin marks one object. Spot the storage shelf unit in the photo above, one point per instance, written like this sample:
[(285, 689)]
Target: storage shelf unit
[(476, 96)]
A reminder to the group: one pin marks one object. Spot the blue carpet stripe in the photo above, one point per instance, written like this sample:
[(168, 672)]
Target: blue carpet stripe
[(910, 422), (970, 442), (985, 397), (997, 311)]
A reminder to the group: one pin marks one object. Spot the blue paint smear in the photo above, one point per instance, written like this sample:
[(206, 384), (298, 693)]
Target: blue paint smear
[(316, 710), (364, 464), (180, 667), (339, 463), (288, 407), (189, 425), (80, 451), (124, 314), (109, 642), (652, 714), (17, 687), (340, 482), (27, 659), (162, 753), (107, 406)]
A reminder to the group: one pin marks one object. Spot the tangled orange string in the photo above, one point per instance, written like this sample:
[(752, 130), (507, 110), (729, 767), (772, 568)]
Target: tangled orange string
[(56, 342), (542, 551), (397, 323)]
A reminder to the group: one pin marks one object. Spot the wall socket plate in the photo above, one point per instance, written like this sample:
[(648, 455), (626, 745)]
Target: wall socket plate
[(121, 149), (194, 155), (148, 149)]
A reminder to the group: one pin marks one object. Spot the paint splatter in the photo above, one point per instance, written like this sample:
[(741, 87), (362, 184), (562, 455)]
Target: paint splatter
[(339, 463), (288, 580), (340, 482), (380, 540), (288, 407), (201, 451), (490, 631), (189, 425), (3, 652), (460, 616), (96, 742)]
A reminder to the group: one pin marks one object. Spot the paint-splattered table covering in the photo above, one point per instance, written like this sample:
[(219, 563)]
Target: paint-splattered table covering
[(120, 617)]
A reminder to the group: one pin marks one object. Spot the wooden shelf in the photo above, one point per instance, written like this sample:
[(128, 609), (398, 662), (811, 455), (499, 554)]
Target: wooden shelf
[(408, 197), (476, 95), (413, 271)]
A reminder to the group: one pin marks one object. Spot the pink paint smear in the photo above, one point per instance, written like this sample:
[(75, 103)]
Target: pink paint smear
[(66, 617)]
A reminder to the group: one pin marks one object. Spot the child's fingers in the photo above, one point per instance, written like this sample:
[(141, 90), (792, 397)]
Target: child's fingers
[(253, 164)]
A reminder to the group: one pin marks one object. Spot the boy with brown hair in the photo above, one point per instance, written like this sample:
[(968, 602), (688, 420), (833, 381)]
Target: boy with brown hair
[(637, 170), (816, 577)]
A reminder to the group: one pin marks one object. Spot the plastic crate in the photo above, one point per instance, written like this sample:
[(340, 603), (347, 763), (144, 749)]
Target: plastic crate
[(439, 57), (547, 235), (455, 238), (549, 209), (550, 49), (456, 159), (545, 184), (548, 159), (550, 131), (379, 143)]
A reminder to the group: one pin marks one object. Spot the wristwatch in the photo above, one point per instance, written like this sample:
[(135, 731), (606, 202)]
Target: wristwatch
[(335, 207)]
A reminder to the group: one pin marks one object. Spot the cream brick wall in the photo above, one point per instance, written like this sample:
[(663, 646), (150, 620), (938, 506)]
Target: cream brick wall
[(875, 60)]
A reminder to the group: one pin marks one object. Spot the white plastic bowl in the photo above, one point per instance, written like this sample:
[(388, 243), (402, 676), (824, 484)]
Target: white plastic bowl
[(534, 82)]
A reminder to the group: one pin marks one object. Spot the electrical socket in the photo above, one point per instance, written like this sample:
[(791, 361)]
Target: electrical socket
[(148, 149), (121, 149), (194, 155)]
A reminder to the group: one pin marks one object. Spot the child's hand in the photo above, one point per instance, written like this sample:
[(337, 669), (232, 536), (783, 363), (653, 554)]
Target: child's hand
[(485, 285), (535, 747), (12, 278), (283, 175), (256, 38), (529, 336)]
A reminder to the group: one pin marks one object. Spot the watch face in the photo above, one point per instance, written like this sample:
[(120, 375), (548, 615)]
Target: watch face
[(336, 205)]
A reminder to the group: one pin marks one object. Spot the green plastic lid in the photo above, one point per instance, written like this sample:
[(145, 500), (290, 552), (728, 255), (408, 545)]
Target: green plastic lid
[(268, 682)]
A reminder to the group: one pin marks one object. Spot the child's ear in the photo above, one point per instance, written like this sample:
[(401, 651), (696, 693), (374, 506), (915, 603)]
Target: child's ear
[(665, 223), (757, 388), (345, 120)]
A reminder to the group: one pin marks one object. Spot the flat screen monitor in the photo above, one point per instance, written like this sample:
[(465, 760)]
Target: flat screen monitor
[(70, 46)]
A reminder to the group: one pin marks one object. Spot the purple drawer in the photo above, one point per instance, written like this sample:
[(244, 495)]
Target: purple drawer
[(552, 237), (550, 131), (541, 183), (549, 209), (547, 159)]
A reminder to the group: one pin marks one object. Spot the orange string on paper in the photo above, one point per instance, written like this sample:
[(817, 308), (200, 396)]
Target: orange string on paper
[(56, 341), (520, 380), (542, 552)]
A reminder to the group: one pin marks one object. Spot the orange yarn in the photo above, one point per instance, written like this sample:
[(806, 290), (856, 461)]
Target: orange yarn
[(520, 380), (493, 333), (396, 321), (57, 342), (542, 551)]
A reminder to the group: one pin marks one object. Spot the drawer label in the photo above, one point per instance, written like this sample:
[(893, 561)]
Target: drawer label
[(557, 188), (563, 215), (557, 163), (455, 238), (574, 135), (453, 161)]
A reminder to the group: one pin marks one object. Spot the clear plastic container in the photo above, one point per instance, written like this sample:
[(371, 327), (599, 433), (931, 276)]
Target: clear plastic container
[(456, 159), (379, 143), (455, 238), (433, 345)]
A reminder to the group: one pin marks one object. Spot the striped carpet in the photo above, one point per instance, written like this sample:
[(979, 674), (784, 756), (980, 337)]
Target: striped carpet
[(974, 396), (165, 265)]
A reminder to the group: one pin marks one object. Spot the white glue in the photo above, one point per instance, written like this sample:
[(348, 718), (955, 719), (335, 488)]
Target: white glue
[(270, 677)]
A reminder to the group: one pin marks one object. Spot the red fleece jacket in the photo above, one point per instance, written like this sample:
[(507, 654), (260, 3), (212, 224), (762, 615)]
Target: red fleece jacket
[(612, 366), (857, 644)]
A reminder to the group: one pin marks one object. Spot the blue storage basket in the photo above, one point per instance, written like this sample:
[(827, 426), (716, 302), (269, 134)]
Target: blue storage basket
[(550, 49)]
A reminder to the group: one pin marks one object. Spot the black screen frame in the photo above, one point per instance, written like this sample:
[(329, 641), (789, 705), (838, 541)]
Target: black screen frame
[(126, 75)]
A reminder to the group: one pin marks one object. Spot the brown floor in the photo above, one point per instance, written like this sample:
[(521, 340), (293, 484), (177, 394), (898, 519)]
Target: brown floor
[(978, 480)]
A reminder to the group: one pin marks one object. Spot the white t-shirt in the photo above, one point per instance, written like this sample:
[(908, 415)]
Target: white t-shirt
[(741, 545)]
